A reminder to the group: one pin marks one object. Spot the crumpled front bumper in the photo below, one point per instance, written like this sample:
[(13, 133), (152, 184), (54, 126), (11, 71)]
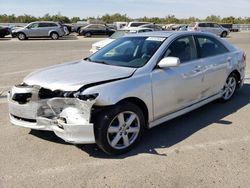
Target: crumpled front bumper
[(68, 118)]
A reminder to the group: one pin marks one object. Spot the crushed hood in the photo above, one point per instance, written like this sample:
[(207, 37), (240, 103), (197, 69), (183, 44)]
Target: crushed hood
[(73, 76)]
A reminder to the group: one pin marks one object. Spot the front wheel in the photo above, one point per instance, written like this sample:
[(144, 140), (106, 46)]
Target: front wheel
[(229, 87), (118, 129), (21, 36)]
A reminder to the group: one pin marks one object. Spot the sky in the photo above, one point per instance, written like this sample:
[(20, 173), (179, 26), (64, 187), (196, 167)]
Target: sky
[(133, 8)]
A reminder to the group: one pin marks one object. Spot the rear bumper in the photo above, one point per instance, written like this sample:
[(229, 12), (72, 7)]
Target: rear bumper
[(68, 118)]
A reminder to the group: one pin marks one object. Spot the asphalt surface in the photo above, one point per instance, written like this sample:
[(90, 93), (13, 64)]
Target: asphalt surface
[(209, 147)]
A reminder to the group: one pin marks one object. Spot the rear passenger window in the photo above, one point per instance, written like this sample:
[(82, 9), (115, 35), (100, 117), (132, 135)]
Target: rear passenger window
[(43, 25), (47, 25), (203, 25), (52, 25), (183, 48), (210, 47)]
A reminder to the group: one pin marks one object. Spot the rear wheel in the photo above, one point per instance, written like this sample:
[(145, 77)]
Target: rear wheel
[(118, 129), (21, 36), (54, 36), (224, 34), (229, 87), (88, 34)]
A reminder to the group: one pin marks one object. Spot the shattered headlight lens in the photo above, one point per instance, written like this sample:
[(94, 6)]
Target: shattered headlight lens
[(88, 97)]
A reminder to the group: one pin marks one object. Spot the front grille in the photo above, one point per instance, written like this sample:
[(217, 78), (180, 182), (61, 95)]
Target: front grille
[(22, 98), (47, 94)]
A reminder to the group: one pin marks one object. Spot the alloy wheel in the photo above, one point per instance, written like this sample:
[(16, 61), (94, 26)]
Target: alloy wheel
[(54, 36), (123, 130), (229, 87), (21, 36)]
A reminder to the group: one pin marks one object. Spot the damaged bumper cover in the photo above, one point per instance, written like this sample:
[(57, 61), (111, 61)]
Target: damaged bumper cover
[(68, 118)]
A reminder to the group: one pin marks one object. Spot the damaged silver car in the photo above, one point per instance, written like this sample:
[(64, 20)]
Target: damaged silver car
[(135, 82)]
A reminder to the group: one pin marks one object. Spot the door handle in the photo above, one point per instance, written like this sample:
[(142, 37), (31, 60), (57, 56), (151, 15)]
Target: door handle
[(197, 68)]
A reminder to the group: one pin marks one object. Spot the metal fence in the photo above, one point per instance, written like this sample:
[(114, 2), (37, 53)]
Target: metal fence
[(241, 27)]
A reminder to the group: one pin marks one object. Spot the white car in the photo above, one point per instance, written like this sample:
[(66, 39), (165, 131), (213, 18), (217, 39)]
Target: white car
[(134, 83), (209, 27), (128, 30)]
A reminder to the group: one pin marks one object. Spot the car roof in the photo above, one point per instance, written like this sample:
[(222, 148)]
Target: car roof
[(134, 28), (44, 22), (167, 34)]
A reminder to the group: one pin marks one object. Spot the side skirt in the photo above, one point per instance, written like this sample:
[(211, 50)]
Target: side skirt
[(184, 111)]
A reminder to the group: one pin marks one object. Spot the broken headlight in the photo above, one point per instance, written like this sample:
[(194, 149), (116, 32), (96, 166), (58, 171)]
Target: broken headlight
[(87, 96)]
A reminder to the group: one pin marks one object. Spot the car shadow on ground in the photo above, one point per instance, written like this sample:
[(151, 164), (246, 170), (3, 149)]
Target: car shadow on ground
[(68, 37), (173, 131), (5, 39)]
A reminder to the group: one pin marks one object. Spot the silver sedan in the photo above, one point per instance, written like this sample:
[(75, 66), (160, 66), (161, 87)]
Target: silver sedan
[(134, 83)]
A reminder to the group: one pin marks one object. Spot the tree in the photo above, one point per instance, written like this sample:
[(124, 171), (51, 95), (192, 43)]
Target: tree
[(75, 19), (213, 18)]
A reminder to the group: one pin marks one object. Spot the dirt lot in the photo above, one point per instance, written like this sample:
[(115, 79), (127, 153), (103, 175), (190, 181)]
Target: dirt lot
[(209, 147)]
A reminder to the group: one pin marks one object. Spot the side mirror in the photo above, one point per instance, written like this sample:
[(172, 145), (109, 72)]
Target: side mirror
[(169, 62)]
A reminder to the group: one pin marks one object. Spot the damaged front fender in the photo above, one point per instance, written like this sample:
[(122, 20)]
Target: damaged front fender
[(72, 121), (69, 118)]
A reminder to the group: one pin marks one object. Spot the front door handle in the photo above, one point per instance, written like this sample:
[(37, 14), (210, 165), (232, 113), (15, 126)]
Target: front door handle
[(198, 68)]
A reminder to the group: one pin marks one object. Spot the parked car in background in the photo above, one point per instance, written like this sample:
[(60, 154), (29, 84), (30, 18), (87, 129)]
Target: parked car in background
[(69, 28), (53, 30), (119, 33), (136, 24), (120, 25), (134, 83), (209, 27), (77, 26), (229, 27), (96, 29), (4, 31), (180, 27), (153, 26)]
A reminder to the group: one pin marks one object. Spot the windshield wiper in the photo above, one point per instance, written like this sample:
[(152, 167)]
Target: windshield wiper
[(87, 59), (101, 62), (90, 60)]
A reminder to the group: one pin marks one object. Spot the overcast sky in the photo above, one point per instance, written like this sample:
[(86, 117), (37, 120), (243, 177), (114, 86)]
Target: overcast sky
[(133, 8)]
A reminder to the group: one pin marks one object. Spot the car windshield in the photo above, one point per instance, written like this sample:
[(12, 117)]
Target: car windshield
[(128, 51), (119, 34)]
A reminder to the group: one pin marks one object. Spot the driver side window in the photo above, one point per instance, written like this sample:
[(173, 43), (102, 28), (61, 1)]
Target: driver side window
[(183, 48)]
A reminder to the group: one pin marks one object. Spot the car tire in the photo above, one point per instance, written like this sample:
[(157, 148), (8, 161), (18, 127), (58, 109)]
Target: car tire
[(54, 36), (224, 34), (229, 88), (118, 129), (21, 36), (88, 34)]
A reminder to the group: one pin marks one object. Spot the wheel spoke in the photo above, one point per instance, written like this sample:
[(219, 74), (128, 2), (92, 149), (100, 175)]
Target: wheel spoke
[(231, 81), (133, 130), (113, 129), (230, 90), (130, 120), (125, 140), (116, 140), (121, 119)]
